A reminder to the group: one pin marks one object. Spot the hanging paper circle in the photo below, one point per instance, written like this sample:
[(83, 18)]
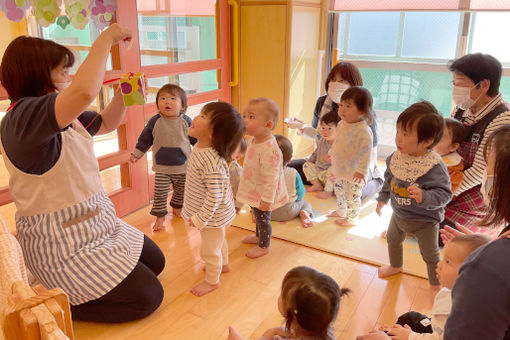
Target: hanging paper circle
[(102, 12), (14, 9), (63, 21), (78, 13), (45, 11)]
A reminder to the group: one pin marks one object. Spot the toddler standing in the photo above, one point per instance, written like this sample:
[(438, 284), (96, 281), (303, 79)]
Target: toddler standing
[(262, 184), (419, 186), (208, 200), (235, 171), (453, 135), (296, 206), (167, 133), (317, 165), (350, 153)]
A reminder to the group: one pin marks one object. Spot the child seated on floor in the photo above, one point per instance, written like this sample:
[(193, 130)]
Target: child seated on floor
[(453, 135), (309, 301), (235, 171), (317, 165), (351, 153), (419, 186), (414, 325), (296, 206)]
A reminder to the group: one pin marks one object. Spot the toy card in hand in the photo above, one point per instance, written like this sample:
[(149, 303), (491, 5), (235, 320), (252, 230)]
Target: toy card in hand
[(133, 88)]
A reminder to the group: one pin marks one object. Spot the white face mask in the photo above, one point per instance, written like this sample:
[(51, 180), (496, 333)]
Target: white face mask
[(336, 89), (485, 190), (61, 86), (462, 97)]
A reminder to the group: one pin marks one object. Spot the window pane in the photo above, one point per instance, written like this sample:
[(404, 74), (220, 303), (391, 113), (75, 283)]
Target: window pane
[(111, 178), (373, 33), (504, 88), (430, 34), (171, 35), (489, 34), (195, 82)]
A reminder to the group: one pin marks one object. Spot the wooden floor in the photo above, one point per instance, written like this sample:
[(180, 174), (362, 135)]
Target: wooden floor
[(248, 294)]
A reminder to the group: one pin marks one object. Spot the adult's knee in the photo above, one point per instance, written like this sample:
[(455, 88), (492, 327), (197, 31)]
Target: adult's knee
[(148, 300)]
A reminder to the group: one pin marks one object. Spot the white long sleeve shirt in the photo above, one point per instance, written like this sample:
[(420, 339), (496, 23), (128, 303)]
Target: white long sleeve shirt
[(440, 311)]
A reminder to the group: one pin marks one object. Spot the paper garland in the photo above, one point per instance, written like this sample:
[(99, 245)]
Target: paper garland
[(45, 11), (103, 12), (14, 9), (78, 13)]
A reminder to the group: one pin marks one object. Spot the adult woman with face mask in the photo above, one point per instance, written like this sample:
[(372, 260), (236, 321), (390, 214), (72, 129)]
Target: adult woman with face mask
[(481, 108), (66, 224), (342, 76)]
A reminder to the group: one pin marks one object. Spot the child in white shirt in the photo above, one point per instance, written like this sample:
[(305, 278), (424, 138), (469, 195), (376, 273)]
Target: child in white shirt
[(350, 153), (262, 184), (208, 201)]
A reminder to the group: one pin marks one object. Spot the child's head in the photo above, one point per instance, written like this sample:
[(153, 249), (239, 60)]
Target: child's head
[(171, 100), (454, 254), (419, 129), (497, 156), (240, 150), (33, 67), (356, 105), (311, 299), (286, 147), (453, 135), (260, 116), (220, 126), (327, 124)]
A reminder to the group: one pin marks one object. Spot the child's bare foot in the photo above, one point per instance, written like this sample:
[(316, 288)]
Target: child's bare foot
[(386, 271), (159, 224), (204, 288), (383, 234), (224, 269), (252, 239), (233, 334), (324, 195), (305, 219), (176, 212), (342, 222), (255, 252), (332, 213), (315, 187)]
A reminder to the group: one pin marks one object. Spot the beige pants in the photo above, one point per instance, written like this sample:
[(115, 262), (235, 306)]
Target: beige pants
[(214, 252), (311, 173)]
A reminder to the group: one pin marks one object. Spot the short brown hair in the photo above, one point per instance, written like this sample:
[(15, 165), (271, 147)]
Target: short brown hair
[(362, 98), (26, 66), (471, 241), (348, 71), (286, 147), (227, 128), (272, 109), (176, 90), (427, 121), (456, 128)]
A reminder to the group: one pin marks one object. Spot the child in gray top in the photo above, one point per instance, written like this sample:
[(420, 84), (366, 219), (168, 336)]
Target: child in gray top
[(418, 184), (167, 133)]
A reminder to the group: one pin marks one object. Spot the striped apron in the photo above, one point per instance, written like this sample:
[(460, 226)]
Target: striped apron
[(67, 226)]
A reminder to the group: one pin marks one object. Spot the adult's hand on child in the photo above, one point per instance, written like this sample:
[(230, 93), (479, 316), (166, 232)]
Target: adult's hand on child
[(448, 233), (264, 206), (118, 33), (358, 178), (133, 159), (374, 335), (398, 332), (380, 205), (416, 193)]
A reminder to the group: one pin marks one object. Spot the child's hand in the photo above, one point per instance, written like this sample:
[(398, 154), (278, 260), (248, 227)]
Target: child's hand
[(332, 178), (133, 159), (380, 205), (190, 222), (264, 206), (276, 333), (358, 178), (416, 193), (398, 332), (327, 157)]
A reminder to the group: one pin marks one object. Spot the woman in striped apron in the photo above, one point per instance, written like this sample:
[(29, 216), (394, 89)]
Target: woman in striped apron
[(66, 224), (480, 106)]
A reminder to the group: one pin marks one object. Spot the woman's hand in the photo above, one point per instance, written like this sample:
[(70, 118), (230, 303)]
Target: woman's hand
[(374, 335), (448, 233), (118, 33), (398, 332)]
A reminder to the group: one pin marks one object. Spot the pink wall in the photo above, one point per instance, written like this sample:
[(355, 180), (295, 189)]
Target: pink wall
[(178, 7)]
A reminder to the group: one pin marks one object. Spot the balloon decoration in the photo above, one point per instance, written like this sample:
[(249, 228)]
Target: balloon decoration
[(14, 9), (45, 11), (78, 12), (103, 12)]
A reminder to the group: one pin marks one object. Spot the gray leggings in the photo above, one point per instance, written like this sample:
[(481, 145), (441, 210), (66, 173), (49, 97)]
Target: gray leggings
[(425, 232), (290, 210)]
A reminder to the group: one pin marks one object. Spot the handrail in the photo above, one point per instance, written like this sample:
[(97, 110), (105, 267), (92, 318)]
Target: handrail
[(235, 43)]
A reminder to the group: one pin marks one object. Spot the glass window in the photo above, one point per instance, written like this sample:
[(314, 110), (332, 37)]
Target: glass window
[(195, 82), (489, 34), (373, 33)]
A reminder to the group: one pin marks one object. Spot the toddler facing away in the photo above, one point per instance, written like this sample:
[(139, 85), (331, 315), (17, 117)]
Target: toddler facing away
[(262, 184), (296, 205), (309, 301)]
